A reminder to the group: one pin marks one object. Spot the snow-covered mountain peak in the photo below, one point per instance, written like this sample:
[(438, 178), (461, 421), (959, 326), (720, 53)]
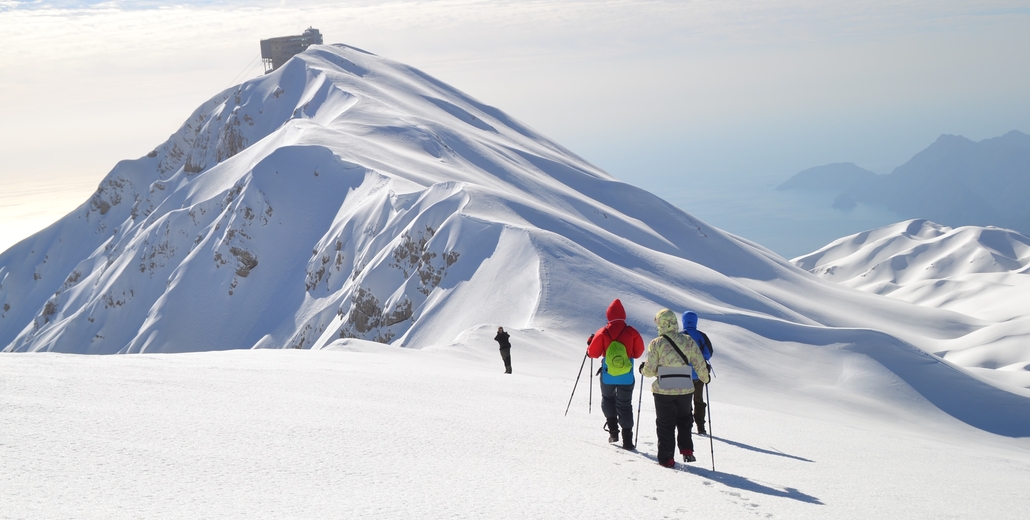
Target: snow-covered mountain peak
[(343, 187), (342, 91)]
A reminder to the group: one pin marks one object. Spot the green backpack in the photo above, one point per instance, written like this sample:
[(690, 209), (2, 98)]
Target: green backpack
[(617, 359)]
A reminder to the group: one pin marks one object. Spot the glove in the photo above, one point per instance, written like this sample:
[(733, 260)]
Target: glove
[(641, 369), (590, 339)]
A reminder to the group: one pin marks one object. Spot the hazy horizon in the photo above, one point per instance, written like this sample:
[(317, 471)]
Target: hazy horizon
[(706, 104)]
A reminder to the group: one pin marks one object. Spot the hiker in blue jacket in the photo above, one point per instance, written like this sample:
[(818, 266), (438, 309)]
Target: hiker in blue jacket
[(690, 329)]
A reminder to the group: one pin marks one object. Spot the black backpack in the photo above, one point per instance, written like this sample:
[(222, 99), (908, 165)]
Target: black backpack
[(707, 344)]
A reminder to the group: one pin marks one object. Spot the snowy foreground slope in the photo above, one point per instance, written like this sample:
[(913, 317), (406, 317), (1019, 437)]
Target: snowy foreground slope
[(373, 431), (981, 272)]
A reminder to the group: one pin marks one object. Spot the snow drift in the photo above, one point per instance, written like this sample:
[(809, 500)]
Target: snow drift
[(349, 196)]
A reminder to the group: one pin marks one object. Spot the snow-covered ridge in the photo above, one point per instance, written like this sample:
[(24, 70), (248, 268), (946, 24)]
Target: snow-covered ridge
[(915, 252), (982, 272), (349, 196)]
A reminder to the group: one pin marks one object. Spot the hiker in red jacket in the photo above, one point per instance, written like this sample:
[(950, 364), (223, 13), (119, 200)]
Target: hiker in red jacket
[(617, 388)]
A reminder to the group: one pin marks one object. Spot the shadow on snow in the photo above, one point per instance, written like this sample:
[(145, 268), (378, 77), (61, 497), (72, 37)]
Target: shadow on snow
[(742, 483), (760, 450)]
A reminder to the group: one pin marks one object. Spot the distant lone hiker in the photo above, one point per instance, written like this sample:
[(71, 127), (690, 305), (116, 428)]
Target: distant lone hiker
[(670, 357), (502, 339), (619, 344), (705, 344)]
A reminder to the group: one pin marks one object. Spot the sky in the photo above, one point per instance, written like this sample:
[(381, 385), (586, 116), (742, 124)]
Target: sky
[(707, 104)]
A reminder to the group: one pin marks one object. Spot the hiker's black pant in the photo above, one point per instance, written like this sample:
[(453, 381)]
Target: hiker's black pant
[(699, 405), (673, 413), (617, 406), (506, 356)]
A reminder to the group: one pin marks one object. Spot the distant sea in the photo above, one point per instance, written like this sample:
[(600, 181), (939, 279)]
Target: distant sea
[(790, 223), (730, 183)]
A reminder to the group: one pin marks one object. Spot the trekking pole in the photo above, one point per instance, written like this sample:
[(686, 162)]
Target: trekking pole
[(590, 403), (575, 385), (711, 443), (640, 401)]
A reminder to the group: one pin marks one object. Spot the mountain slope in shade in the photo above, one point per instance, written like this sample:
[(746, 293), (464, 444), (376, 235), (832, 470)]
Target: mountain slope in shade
[(959, 182), (980, 272), (346, 196), (954, 181)]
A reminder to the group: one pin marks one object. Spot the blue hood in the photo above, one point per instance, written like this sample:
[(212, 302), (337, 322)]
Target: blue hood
[(689, 320)]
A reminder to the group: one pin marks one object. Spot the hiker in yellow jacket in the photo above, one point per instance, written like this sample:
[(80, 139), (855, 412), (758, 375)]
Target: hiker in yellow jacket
[(670, 357)]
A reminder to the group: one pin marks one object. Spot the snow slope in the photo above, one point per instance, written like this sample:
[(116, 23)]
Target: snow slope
[(982, 272), (372, 431), (349, 196)]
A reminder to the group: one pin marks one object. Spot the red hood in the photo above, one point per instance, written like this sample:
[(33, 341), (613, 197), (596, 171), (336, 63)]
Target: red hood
[(615, 311)]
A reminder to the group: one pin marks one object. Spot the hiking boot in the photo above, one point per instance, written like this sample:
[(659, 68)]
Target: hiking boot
[(627, 439), (671, 463), (701, 431), (613, 433), (688, 456)]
